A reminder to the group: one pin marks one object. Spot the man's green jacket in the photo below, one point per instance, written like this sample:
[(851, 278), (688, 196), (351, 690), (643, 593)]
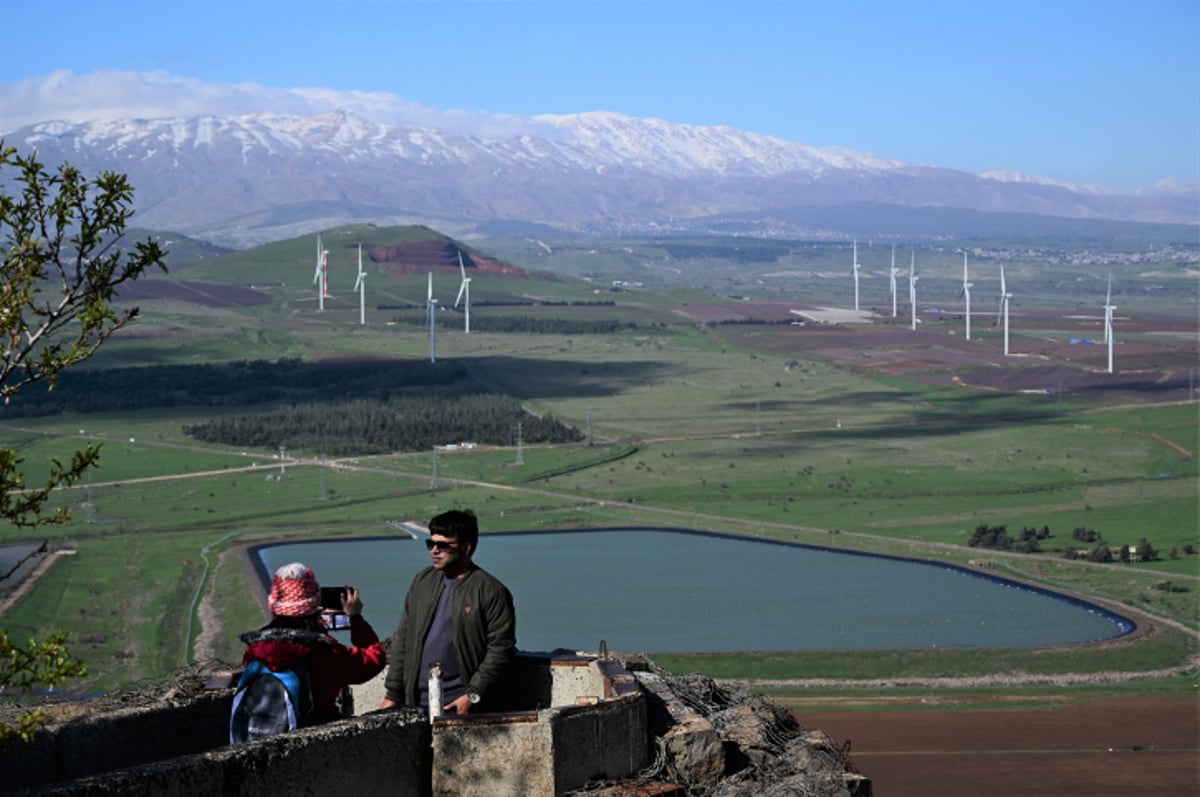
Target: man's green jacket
[(485, 635)]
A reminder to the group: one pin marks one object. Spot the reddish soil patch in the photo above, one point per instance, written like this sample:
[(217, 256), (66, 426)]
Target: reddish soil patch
[(417, 257), (208, 294), (742, 311), (1099, 747)]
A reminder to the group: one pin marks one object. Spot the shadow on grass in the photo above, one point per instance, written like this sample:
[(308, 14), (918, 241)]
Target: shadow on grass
[(257, 382)]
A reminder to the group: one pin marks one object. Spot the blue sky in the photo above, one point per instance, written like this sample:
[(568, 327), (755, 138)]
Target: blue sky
[(1084, 90)]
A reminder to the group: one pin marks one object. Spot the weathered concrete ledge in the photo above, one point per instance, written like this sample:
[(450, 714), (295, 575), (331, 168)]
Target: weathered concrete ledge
[(577, 718), (143, 746)]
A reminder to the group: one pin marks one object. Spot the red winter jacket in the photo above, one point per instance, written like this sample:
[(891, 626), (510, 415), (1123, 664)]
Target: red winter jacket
[(331, 665)]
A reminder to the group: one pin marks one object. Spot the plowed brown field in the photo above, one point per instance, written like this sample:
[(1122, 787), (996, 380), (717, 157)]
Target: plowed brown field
[(1097, 747)]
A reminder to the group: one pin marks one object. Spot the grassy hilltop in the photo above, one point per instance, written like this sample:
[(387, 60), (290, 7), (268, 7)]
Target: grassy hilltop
[(694, 399)]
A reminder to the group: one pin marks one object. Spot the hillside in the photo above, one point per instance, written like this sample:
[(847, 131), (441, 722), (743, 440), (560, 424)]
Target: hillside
[(719, 411)]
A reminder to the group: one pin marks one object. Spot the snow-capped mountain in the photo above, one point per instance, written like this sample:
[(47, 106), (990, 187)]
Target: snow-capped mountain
[(252, 178)]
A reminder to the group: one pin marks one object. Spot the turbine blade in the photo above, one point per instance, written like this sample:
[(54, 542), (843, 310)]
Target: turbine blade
[(1003, 292), (317, 275), (461, 288)]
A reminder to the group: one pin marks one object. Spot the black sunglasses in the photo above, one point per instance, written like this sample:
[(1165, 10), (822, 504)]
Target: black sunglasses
[(440, 545)]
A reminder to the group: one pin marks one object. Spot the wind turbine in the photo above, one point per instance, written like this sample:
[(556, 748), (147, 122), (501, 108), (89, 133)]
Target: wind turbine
[(321, 277), (464, 292), (967, 295), (1002, 314), (360, 285), (1109, 307), (912, 289), (856, 268), (431, 312), (892, 277)]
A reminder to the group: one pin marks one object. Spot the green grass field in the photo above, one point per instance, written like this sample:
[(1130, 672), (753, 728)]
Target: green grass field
[(688, 430)]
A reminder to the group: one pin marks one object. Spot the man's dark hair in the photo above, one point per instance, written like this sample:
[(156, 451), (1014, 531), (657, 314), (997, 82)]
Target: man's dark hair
[(458, 524)]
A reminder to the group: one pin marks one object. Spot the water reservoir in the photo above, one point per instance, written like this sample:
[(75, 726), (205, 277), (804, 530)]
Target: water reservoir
[(674, 591)]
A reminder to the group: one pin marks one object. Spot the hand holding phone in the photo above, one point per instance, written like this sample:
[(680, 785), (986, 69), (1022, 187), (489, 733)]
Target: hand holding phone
[(338, 605), (351, 604)]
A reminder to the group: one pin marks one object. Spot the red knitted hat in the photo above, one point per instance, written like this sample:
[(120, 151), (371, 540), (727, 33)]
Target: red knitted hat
[(294, 592)]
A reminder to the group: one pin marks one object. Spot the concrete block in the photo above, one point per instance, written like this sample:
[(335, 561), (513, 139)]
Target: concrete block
[(500, 756)]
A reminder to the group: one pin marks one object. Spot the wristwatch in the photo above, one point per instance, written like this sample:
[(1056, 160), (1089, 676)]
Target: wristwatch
[(474, 697)]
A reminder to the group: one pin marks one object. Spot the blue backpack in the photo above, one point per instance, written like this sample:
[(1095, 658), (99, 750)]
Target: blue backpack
[(268, 702)]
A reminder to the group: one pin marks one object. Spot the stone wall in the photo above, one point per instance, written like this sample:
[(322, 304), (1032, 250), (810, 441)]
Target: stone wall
[(115, 740), (82, 757), (180, 747)]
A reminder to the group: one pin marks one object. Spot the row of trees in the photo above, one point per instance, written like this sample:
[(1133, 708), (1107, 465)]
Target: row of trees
[(363, 426), (543, 303), (527, 324), (1029, 541), (513, 303), (1142, 552), (748, 322), (997, 537)]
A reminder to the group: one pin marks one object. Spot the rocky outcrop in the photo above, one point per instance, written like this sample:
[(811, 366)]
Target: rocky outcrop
[(719, 741)]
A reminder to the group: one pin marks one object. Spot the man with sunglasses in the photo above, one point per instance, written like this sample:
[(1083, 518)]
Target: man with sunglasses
[(456, 615)]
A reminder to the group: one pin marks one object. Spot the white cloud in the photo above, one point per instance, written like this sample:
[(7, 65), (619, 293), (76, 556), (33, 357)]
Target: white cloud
[(114, 94)]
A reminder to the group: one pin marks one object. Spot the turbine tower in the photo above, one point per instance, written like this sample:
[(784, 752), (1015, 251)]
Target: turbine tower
[(912, 289), (321, 277), (464, 292), (1002, 315), (1107, 314), (856, 268), (1109, 307), (967, 295), (360, 285), (892, 277), (431, 312)]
